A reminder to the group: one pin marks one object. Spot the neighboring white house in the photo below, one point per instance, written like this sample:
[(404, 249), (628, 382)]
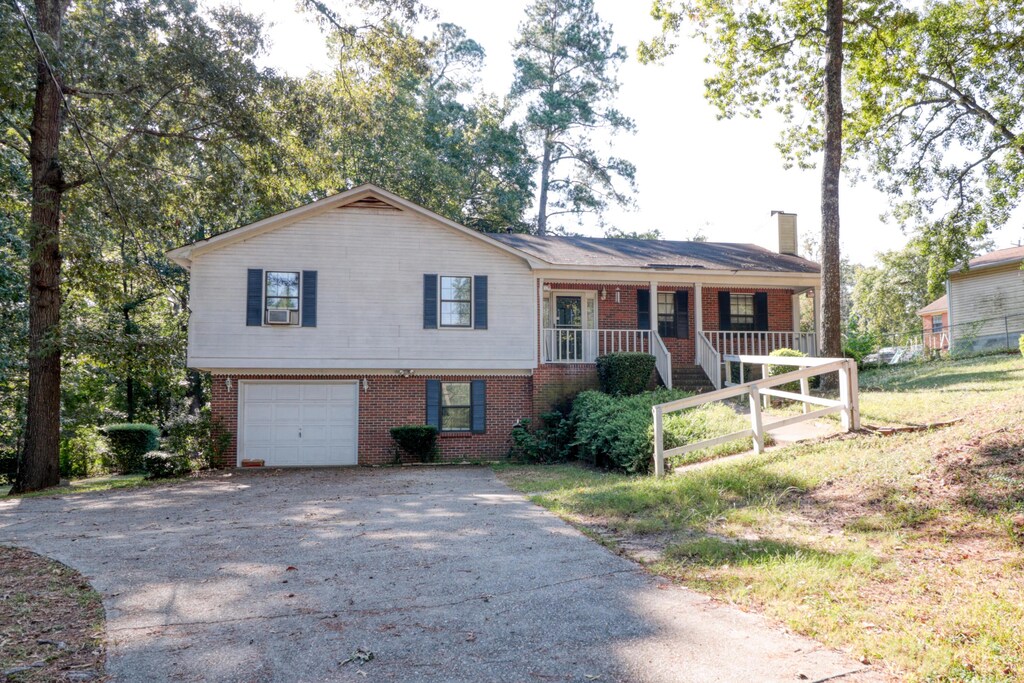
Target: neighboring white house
[(986, 301)]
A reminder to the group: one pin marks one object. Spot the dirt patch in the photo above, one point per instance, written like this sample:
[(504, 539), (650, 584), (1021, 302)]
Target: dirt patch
[(51, 621)]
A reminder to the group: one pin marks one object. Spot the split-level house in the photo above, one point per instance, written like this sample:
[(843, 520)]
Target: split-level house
[(326, 325)]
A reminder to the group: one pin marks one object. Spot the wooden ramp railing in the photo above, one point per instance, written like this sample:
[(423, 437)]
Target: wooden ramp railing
[(847, 404)]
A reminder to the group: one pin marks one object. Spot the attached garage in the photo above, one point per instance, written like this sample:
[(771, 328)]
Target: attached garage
[(299, 423)]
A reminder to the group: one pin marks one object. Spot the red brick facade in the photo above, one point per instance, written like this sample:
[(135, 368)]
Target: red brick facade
[(936, 337), (387, 401)]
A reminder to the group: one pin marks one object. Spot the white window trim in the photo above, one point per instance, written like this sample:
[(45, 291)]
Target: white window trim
[(441, 406), (441, 300), (298, 307)]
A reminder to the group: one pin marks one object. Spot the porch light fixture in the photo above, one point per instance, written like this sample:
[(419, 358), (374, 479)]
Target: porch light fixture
[(604, 294), (547, 288), (405, 373), (227, 383), (618, 295), (366, 385)]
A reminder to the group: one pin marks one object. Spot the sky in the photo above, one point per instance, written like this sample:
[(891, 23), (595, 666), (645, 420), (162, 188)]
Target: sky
[(695, 173)]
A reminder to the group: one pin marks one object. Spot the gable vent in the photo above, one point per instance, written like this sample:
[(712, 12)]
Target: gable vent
[(368, 203)]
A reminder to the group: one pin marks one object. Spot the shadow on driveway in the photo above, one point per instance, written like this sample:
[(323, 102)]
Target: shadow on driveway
[(443, 574)]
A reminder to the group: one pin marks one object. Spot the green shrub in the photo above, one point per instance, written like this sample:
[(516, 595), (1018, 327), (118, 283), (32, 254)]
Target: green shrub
[(129, 442), (551, 442), (419, 441), (857, 344), (83, 454), (625, 374), (161, 464), (618, 431), (1020, 343), (193, 436), (775, 370)]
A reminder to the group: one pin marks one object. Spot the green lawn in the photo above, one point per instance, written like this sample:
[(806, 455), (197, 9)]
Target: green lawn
[(92, 484), (907, 550)]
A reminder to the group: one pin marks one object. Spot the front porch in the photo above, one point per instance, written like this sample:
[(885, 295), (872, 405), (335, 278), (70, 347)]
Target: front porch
[(583, 320)]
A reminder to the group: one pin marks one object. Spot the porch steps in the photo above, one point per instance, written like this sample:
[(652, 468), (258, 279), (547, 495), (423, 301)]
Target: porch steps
[(691, 378)]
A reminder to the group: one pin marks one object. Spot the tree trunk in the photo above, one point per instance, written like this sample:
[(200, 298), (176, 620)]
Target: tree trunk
[(545, 175), (40, 467), (831, 314)]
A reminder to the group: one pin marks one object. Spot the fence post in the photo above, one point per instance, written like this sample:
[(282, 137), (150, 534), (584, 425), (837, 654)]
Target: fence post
[(659, 444), (844, 397), (854, 397), (755, 419), (1006, 326), (805, 389), (767, 402)]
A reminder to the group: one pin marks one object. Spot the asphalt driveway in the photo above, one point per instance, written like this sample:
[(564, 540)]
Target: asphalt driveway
[(442, 574)]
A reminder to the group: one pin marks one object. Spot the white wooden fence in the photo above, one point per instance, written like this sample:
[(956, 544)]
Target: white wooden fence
[(848, 403)]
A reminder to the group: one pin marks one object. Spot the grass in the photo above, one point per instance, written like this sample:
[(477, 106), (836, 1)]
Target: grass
[(92, 485), (907, 550)]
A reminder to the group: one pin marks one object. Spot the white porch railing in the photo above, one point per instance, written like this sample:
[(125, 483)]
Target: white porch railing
[(584, 346), (848, 404), (662, 360), (709, 360), (761, 343)]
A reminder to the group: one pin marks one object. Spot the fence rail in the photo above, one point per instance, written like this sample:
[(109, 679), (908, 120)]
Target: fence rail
[(760, 343), (847, 404), (567, 345)]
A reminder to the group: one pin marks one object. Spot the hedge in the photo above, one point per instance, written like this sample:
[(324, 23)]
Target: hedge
[(625, 374), (129, 442), (617, 431), (160, 464), (419, 441), (774, 370)]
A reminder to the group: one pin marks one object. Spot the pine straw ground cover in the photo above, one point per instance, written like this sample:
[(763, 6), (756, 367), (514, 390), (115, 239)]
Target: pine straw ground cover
[(906, 550), (51, 621)]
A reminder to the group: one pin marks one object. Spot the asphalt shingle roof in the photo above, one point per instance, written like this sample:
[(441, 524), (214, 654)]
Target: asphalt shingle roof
[(604, 252)]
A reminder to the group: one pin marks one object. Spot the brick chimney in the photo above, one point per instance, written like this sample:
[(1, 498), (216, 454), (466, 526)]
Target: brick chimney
[(787, 232)]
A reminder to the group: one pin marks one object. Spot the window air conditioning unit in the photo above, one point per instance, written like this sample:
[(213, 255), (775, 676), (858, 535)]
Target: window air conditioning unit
[(279, 316)]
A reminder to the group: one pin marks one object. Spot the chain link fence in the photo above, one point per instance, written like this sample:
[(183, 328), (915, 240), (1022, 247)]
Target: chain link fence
[(989, 335)]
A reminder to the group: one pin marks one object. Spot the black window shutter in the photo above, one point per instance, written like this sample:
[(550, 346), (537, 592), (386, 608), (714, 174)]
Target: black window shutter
[(643, 309), (480, 302), (309, 298), (761, 311), (434, 403), (682, 314), (430, 302), (254, 298), (724, 310), (478, 401)]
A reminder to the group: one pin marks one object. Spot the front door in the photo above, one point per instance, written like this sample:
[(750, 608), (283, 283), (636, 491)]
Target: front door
[(569, 323)]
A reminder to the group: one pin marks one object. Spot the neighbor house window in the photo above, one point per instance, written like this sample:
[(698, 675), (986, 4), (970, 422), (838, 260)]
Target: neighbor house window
[(667, 314), (741, 311), (456, 302), (456, 407), (936, 324), (282, 297)]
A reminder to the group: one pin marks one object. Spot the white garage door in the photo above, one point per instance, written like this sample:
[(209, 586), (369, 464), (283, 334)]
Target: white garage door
[(299, 423)]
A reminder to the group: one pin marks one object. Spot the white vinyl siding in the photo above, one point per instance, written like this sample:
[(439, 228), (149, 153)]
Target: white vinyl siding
[(980, 299), (370, 265)]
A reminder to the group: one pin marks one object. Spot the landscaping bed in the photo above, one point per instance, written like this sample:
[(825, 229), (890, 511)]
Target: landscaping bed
[(907, 550), (51, 621)]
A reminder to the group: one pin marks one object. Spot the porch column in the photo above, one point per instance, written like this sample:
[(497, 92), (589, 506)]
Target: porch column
[(653, 313), (698, 306), (539, 349), (796, 311)]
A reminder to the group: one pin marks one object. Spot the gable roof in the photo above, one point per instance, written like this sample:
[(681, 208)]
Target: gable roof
[(365, 195), (998, 257), (598, 252), (940, 305)]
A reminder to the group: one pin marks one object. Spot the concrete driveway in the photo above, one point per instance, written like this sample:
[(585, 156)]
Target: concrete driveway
[(442, 574)]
